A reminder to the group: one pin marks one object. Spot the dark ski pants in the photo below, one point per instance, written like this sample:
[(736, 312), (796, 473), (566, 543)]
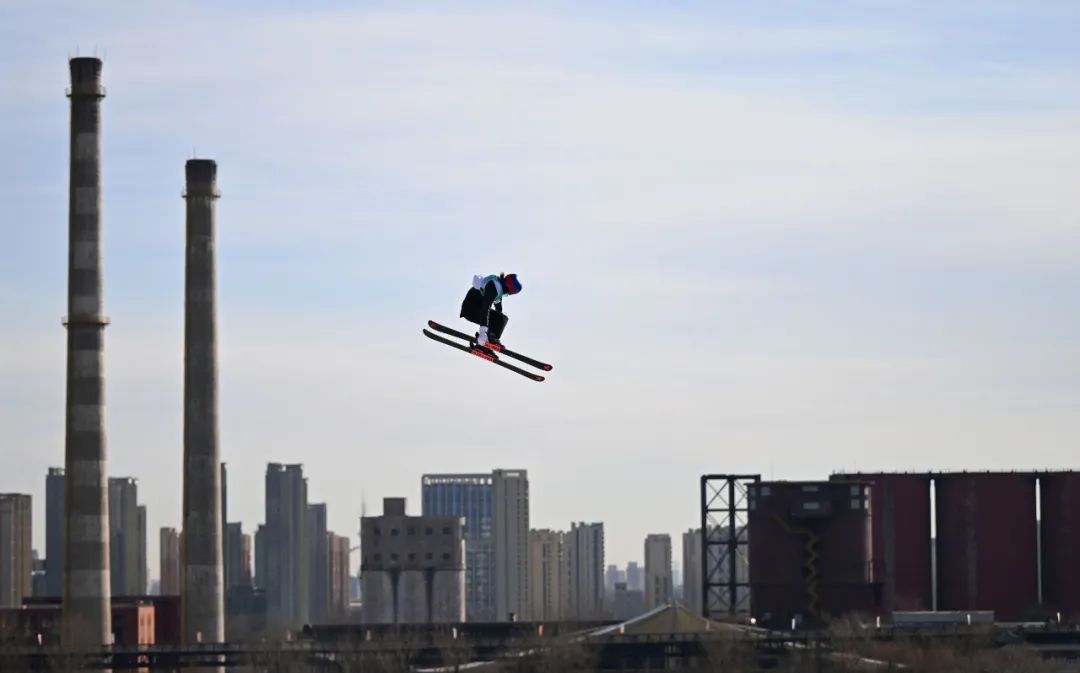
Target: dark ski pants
[(476, 309)]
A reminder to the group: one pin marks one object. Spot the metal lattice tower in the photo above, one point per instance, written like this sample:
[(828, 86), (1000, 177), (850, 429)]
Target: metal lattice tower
[(725, 550)]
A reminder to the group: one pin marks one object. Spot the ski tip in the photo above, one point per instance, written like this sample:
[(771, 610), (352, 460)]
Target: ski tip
[(538, 378), (547, 368), (431, 323)]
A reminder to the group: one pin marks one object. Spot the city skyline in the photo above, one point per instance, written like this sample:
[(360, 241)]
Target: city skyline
[(152, 547), (871, 262)]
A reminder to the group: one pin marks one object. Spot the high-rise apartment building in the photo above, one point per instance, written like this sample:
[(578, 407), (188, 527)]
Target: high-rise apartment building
[(54, 532), (548, 575), (585, 563), (611, 578), (657, 570), (238, 559), (495, 507), (169, 561), (340, 579), (510, 494), (319, 562), (635, 577), (127, 538), (16, 553), (693, 584), (287, 549), (258, 576)]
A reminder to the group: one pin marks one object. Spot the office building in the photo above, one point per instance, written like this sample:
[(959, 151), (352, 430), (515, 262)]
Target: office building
[(495, 507)]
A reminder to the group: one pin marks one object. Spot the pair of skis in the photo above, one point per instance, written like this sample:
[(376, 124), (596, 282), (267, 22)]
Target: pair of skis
[(491, 352)]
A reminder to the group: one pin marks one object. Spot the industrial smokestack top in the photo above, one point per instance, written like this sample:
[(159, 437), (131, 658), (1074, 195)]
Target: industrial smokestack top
[(86, 77), (201, 177)]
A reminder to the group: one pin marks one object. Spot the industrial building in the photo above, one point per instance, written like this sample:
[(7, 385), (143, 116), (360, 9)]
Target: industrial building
[(1003, 544), (810, 556), (413, 567)]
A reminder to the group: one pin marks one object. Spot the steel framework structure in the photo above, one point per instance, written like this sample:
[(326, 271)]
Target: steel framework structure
[(725, 545)]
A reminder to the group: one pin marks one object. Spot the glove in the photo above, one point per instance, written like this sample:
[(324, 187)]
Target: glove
[(478, 282)]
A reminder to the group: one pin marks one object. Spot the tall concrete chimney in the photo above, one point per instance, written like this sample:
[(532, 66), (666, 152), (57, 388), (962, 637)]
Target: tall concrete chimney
[(86, 618), (202, 582)]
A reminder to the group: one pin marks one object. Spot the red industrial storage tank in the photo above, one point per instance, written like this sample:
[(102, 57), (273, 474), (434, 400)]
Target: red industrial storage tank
[(900, 536), (1059, 494), (809, 550), (986, 543)]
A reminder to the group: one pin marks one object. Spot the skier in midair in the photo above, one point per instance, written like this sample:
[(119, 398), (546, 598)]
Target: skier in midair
[(483, 305)]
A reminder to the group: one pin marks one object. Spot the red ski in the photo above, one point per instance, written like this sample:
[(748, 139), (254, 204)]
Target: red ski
[(484, 354), (493, 347)]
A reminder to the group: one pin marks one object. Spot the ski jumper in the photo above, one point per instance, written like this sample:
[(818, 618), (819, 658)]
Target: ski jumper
[(483, 304)]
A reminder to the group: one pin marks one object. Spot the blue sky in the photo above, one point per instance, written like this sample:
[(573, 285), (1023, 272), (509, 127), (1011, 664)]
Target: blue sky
[(782, 239)]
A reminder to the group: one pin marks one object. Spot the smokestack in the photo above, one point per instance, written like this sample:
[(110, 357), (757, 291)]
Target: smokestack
[(86, 617), (203, 607)]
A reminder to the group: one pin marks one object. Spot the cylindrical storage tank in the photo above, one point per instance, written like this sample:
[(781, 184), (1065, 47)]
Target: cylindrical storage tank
[(845, 535), (412, 597), (378, 606), (1060, 504), (986, 543), (809, 550), (777, 583), (900, 538), (448, 596)]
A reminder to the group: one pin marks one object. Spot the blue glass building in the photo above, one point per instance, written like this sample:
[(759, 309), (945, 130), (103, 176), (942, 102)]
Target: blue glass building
[(469, 496)]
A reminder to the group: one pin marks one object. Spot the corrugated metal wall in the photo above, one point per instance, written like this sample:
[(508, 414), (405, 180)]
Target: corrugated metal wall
[(1059, 496), (986, 543)]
